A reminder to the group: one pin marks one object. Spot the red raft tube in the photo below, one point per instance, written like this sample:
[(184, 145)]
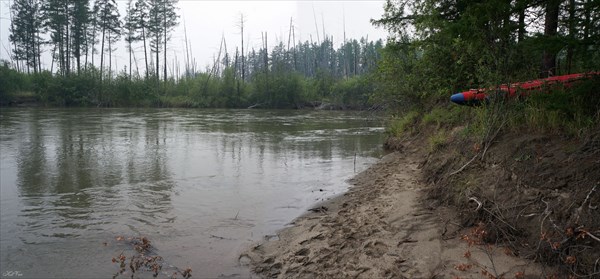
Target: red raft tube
[(478, 96)]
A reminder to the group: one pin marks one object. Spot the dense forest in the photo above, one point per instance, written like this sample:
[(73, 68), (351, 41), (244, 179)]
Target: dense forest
[(438, 47), (81, 37)]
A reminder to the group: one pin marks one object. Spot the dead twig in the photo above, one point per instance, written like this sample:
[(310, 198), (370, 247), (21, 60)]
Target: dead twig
[(592, 236), (220, 237), (489, 142), (580, 208), (479, 204), (487, 145), (464, 166)]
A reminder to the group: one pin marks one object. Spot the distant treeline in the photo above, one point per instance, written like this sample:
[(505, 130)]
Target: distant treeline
[(81, 39), (306, 75)]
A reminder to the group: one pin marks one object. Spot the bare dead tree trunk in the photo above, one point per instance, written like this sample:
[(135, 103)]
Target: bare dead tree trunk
[(157, 57), (187, 51), (215, 66), (267, 69), (243, 60), (130, 57), (235, 75), (102, 51), (294, 48), (165, 50), (145, 50), (109, 57)]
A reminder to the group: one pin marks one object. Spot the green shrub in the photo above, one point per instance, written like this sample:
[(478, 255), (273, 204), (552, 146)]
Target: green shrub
[(445, 115), (399, 126), (561, 110), (12, 83)]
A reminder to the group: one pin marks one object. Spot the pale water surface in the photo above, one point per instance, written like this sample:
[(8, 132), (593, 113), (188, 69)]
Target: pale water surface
[(202, 185)]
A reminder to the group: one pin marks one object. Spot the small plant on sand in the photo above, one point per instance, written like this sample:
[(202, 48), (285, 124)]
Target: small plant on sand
[(438, 140), (477, 236), (143, 261)]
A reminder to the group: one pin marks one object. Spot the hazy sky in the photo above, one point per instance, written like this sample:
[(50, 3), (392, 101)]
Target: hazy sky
[(208, 21)]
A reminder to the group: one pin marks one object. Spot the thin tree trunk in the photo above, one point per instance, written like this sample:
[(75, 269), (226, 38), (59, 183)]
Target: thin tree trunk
[(165, 49), (355, 58), (521, 34), (294, 48), (550, 28), (267, 69), (14, 43), (68, 54), (78, 60), (39, 51), (61, 53), (145, 50), (78, 52), (215, 65), (32, 45), (130, 59), (157, 56), (93, 41), (235, 76), (53, 59), (101, 64), (571, 35), (28, 58), (187, 51), (226, 58), (109, 56), (102, 52), (243, 60), (137, 68), (87, 49)]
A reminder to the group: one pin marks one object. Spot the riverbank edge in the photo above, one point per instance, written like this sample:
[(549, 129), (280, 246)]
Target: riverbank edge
[(382, 227), (28, 99)]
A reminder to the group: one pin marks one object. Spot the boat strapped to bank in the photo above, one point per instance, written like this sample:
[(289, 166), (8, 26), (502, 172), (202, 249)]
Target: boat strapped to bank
[(519, 89)]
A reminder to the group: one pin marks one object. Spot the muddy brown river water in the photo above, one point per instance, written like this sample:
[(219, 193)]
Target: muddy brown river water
[(200, 184)]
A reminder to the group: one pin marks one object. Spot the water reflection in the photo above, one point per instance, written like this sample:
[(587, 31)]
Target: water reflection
[(61, 157), (188, 179), (32, 174)]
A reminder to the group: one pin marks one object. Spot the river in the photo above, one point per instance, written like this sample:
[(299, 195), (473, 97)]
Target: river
[(201, 185)]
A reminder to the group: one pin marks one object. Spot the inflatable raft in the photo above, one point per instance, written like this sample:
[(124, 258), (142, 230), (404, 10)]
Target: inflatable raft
[(519, 89)]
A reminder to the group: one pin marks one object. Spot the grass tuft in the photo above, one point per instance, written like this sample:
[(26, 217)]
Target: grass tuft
[(400, 125)]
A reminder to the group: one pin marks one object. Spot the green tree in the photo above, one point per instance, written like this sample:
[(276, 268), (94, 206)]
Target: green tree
[(57, 15), (25, 33), (139, 22), (109, 24), (129, 27), (80, 22), (162, 20)]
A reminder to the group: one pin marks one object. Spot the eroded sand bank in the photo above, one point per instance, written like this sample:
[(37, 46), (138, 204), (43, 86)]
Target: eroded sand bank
[(381, 228)]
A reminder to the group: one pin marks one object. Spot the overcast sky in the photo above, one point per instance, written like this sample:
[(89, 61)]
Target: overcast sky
[(208, 21)]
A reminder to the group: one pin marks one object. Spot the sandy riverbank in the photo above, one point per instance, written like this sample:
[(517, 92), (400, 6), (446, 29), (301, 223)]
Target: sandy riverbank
[(381, 228)]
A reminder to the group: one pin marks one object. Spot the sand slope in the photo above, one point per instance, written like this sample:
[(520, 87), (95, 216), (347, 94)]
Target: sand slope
[(381, 228)]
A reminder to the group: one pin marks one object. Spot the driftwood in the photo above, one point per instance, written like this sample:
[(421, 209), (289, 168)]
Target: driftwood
[(255, 106)]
